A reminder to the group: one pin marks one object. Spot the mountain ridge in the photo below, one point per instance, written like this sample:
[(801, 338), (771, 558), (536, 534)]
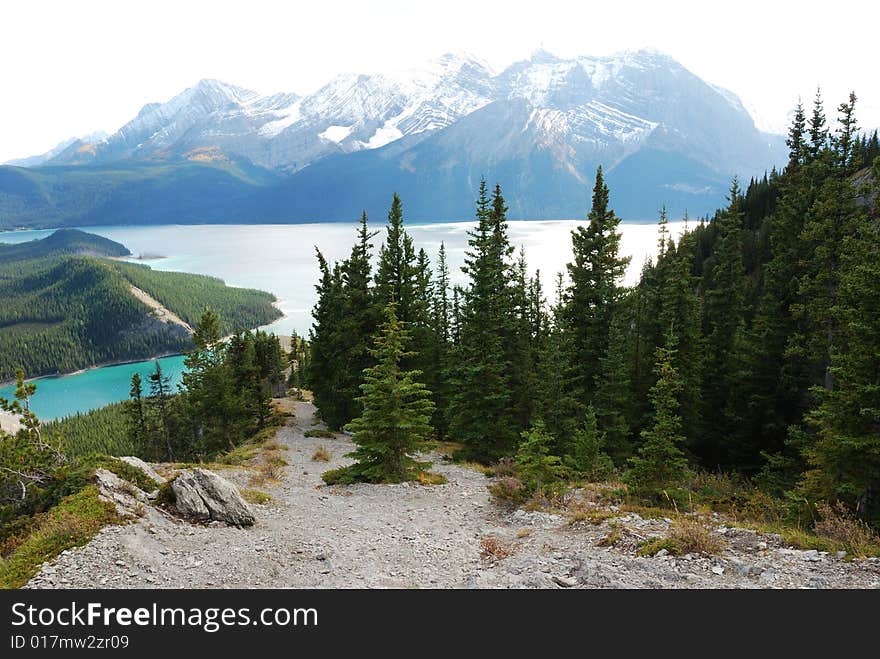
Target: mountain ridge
[(444, 124)]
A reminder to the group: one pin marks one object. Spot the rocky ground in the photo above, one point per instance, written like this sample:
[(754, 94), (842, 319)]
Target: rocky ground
[(400, 536)]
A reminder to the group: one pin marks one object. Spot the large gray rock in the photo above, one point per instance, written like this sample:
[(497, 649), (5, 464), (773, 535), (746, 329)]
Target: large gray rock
[(203, 495), (144, 467), (128, 499)]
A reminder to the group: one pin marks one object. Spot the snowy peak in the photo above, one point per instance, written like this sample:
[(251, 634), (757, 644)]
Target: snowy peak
[(613, 105)]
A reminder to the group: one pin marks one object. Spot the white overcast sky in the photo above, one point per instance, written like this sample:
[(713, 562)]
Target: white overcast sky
[(72, 68)]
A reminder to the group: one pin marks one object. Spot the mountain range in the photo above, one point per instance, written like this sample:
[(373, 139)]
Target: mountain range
[(221, 153)]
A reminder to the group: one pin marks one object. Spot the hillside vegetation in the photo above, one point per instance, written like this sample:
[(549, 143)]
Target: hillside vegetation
[(65, 309)]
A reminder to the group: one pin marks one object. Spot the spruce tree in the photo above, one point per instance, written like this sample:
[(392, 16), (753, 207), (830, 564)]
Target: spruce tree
[(327, 372), (594, 290), (724, 299), (660, 464), (844, 460), (442, 348), (396, 414), (481, 414), (136, 413), (160, 392)]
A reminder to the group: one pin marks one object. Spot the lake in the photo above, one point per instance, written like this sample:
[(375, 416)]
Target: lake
[(281, 259)]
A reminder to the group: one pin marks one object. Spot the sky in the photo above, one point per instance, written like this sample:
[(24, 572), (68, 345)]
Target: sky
[(73, 68)]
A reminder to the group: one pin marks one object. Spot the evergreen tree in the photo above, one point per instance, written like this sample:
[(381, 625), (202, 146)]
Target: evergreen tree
[(724, 312), (660, 463), (554, 403), (539, 471), (797, 147), (358, 322), (594, 290), (396, 417), (442, 348), (160, 386), (844, 460), (843, 139), (587, 457), (818, 130), (326, 374), (395, 281), (137, 420), (481, 414)]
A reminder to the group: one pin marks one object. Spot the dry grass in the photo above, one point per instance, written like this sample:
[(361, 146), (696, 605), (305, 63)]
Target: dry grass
[(430, 478), (508, 492), (524, 533), (841, 527), (442, 448), (267, 473), (321, 454), (493, 549), (256, 497), (614, 535), (592, 516), (687, 535), (476, 466), (319, 432)]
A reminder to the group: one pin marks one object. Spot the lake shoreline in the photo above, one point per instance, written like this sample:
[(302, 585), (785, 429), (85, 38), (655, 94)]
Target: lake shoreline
[(86, 369)]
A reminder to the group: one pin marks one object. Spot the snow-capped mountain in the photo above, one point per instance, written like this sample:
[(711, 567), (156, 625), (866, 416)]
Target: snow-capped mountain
[(541, 127), (612, 105)]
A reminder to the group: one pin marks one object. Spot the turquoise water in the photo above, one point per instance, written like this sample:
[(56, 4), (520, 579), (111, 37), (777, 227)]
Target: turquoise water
[(62, 396), (281, 259)]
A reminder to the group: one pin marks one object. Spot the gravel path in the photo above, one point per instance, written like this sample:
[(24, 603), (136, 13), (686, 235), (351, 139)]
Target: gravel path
[(402, 536)]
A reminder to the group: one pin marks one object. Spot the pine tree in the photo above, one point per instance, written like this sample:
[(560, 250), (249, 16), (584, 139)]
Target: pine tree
[(660, 464), (797, 147), (554, 403), (395, 277), (481, 414), (209, 389), (587, 457), (137, 420), (818, 130), (358, 322), (539, 471), (396, 414), (442, 348), (843, 139), (594, 290), (844, 459), (724, 298), (681, 315), (327, 370), (28, 461), (613, 407), (160, 393)]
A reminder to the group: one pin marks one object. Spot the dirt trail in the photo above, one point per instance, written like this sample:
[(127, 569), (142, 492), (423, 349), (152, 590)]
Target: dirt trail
[(408, 535)]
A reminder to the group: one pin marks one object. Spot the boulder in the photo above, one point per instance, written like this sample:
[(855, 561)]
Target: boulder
[(128, 498), (204, 496), (144, 467)]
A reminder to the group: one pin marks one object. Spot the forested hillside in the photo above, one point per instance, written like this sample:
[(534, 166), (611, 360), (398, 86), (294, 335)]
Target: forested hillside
[(62, 311), (750, 347)]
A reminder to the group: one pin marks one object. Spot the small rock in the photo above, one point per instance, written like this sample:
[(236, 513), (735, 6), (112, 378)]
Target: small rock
[(717, 569), (661, 553), (762, 546), (565, 582), (841, 554), (120, 563)]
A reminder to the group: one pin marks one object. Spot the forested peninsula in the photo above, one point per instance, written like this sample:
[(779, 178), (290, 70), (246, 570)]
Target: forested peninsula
[(68, 304)]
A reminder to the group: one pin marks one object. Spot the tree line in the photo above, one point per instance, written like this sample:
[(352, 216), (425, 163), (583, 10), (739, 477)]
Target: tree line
[(225, 396), (750, 345)]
